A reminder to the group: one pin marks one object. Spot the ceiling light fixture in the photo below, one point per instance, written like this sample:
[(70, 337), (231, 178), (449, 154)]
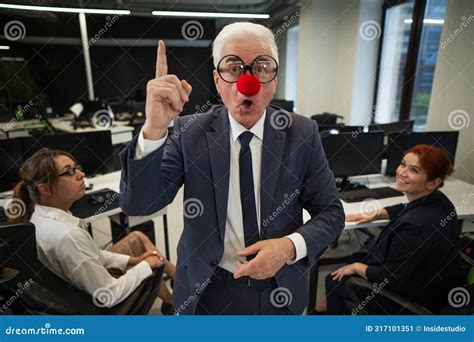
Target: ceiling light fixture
[(64, 9), (210, 15)]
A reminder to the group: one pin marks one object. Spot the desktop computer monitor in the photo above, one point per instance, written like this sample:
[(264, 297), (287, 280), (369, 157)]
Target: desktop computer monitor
[(352, 155), (398, 143), (283, 104), (93, 150), (393, 127), (10, 163), (341, 128)]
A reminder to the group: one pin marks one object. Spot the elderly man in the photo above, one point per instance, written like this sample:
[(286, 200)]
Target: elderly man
[(248, 171)]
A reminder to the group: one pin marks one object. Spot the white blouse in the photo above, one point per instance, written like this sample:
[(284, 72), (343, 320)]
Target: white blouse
[(69, 251)]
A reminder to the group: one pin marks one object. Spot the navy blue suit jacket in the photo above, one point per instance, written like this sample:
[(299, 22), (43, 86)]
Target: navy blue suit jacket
[(294, 173), (417, 252)]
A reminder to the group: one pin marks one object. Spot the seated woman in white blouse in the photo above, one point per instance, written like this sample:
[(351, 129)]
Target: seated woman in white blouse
[(51, 182)]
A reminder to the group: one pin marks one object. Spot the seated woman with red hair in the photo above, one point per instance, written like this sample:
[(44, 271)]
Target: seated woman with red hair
[(416, 254)]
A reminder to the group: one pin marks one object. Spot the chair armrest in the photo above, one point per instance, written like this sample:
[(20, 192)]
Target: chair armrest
[(353, 282)]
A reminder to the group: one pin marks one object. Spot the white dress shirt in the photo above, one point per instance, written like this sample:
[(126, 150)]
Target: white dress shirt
[(234, 240), (69, 251)]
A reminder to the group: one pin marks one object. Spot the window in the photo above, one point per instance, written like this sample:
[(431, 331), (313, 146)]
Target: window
[(407, 60), (425, 66)]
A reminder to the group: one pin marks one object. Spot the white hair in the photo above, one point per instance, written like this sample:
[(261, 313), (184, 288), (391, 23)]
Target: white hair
[(243, 30)]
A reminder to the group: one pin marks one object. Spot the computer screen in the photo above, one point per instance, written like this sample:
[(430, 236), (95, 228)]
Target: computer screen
[(393, 127), (10, 163), (93, 150), (354, 154), (398, 143), (341, 128), (284, 104)]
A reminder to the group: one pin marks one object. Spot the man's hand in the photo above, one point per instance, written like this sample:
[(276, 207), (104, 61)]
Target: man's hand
[(165, 99), (271, 256)]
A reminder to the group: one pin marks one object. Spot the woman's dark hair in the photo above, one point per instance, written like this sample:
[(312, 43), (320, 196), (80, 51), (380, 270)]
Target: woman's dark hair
[(434, 161), (39, 168)]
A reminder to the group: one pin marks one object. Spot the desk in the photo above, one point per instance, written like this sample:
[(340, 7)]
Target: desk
[(112, 181), (121, 133), (16, 129), (456, 190), (460, 193)]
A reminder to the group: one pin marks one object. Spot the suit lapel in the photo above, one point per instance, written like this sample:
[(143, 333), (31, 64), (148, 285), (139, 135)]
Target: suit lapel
[(272, 156), (218, 142)]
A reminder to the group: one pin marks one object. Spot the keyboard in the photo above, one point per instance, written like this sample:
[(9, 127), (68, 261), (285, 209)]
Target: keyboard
[(94, 203), (359, 195)]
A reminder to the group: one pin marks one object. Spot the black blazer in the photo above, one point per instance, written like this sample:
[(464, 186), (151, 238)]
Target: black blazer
[(417, 252)]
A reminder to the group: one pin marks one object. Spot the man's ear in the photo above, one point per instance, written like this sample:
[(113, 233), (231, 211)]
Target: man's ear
[(215, 74)]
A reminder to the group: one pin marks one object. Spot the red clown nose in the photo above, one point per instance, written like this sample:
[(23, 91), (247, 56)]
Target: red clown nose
[(248, 85)]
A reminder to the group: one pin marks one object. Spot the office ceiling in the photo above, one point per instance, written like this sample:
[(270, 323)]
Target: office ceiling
[(277, 9), (146, 6)]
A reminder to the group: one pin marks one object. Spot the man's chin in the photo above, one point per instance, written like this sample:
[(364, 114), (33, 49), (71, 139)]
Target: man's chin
[(246, 119)]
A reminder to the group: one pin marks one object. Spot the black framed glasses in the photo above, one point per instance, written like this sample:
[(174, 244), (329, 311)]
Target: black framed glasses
[(231, 67), (71, 171)]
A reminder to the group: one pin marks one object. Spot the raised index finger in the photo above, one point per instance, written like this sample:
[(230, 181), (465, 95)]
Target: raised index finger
[(161, 61)]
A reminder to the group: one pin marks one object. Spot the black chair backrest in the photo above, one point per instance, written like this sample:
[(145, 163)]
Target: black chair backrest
[(326, 118), (19, 251)]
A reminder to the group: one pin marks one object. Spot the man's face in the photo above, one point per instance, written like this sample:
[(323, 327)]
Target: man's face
[(246, 110)]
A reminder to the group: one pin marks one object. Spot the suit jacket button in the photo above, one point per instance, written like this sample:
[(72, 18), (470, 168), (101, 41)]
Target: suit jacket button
[(214, 263)]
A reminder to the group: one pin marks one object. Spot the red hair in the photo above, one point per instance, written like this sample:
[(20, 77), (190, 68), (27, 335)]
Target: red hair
[(434, 161)]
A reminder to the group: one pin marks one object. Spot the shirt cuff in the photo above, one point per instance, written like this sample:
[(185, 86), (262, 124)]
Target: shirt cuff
[(115, 259), (143, 268), (145, 147), (300, 247)]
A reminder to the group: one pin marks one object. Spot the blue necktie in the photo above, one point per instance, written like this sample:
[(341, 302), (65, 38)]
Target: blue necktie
[(247, 195)]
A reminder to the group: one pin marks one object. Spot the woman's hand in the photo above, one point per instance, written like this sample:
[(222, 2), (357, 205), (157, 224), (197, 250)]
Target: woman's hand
[(351, 269), (343, 271), (152, 257), (368, 216), (361, 218)]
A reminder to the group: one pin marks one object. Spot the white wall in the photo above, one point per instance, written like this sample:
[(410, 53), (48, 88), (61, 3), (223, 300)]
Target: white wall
[(281, 43), (453, 84), (336, 67)]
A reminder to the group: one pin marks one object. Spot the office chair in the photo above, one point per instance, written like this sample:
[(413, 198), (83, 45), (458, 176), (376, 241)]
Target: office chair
[(326, 118), (359, 289), (47, 292)]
